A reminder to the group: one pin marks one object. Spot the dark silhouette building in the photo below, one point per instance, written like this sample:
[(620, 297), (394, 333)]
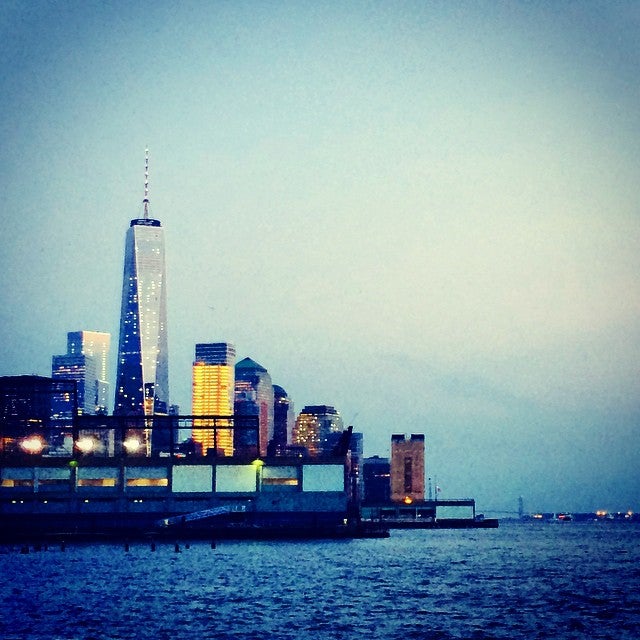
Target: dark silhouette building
[(253, 397)]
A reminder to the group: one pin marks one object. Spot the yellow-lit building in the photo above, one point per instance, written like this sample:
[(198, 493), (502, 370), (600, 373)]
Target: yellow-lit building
[(316, 428), (407, 468), (213, 395)]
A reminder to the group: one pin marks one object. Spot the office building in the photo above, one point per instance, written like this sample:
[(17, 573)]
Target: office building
[(142, 384), (86, 362), (213, 394), (315, 428), (376, 480), (283, 421), (95, 344), (407, 468), (253, 397)]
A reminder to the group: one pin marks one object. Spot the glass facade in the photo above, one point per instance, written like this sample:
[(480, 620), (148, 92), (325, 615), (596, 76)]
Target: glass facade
[(86, 362), (314, 428), (142, 385), (81, 369), (213, 395), (95, 344), (253, 397), (283, 420)]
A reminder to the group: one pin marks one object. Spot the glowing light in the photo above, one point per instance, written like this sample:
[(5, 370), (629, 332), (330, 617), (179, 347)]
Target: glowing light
[(257, 463), (601, 513), (132, 445), (85, 444), (32, 445), (408, 500)]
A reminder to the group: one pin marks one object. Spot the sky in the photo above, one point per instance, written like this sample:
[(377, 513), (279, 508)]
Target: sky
[(425, 214)]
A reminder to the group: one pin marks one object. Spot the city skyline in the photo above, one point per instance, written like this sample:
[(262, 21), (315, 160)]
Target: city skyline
[(423, 215)]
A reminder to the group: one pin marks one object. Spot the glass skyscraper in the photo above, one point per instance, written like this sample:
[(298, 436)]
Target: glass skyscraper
[(142, 385), (213, 395), (86, 362), (253, 397)]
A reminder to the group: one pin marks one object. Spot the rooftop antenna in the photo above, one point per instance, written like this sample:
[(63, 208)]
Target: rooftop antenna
[(145, 202)]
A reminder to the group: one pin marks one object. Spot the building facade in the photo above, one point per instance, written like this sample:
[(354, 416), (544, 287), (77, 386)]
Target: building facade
[(407, 468), (95, 344), (213, 391), (253, 397), (142, 385), (376, 480), (283, 421), (317, 428), (81, 369), (86, 362)]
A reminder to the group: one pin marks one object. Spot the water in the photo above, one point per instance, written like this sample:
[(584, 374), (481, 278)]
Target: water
[(522, 580)]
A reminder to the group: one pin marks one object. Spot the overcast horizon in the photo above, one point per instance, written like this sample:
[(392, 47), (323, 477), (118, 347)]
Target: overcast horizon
[(423, 214)]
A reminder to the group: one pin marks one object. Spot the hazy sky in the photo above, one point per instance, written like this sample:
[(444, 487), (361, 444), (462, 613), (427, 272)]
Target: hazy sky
[(424, 213)]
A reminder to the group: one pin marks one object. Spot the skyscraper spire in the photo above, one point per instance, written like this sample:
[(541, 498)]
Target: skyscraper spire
[(145, 202)]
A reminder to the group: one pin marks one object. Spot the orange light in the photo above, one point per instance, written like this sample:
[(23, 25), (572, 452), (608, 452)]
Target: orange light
[(408, 500)]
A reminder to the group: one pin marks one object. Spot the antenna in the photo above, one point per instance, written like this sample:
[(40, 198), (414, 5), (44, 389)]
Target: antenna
[(145, 202)]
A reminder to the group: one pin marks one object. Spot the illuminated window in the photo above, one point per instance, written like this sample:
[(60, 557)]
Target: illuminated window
[(97, 482), (147, 482)]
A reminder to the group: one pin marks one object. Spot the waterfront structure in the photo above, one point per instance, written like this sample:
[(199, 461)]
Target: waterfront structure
[(36, 413), (283, 421), (407, 468), (253, 397), (86, 363), (213, 391), (120, 491), (142, 385), (317, 428)]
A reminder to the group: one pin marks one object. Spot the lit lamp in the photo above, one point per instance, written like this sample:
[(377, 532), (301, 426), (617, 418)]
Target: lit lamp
[(132, 445), (85, 444), (32, 445)]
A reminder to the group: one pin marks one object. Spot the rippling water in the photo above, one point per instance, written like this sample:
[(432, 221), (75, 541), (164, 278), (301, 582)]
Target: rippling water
[(521, 580)]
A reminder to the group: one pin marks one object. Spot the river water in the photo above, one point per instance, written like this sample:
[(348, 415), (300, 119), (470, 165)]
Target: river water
[(519, 581)]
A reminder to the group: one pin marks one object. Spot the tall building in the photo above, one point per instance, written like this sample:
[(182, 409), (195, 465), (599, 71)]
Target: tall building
[(314, 429), (97, 345), (283, 421), (142, 385), (376, 480), (213, 395), (86, 362), (81, 369), (407, 468), (253, 397)]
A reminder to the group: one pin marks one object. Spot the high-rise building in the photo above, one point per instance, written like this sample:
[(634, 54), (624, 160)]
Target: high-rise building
[(283, 421), (142, 385), (407, 468), (86, 362), (253, 397), (81, 369), (95, 344), (213, 395), (376, 480), (314, 429)]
